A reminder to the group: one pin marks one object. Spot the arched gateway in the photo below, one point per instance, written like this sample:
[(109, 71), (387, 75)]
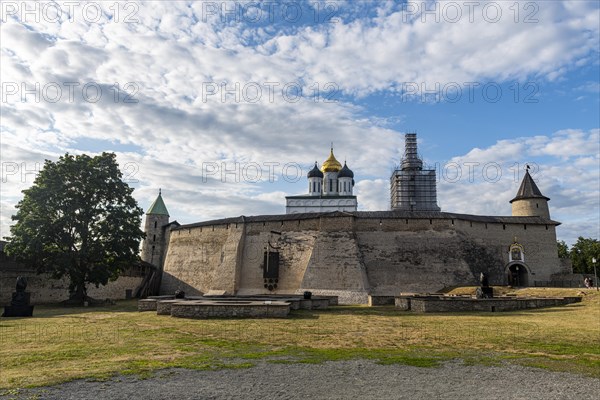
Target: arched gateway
[(517, 274)]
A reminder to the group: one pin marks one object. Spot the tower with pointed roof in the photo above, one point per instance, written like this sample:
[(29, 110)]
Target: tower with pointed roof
[(413, 188), (329, 189), (156, 229), (529, 201)]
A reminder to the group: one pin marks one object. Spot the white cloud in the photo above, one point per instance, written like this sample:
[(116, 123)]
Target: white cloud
[(176, 48), (373, 194), (566, 168)]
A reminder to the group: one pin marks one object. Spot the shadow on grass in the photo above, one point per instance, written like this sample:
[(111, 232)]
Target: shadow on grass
[(58, 310)]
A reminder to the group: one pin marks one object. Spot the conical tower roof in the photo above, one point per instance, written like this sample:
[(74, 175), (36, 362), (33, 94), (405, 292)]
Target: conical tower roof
[(528, 189), (158, 207)]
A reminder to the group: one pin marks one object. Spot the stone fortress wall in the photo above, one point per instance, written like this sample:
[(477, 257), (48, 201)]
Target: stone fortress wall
[(413, 248), (356, 254), (44, 289)]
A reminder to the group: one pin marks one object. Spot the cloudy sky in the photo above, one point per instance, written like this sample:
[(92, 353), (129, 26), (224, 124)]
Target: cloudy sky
[(226, 105)]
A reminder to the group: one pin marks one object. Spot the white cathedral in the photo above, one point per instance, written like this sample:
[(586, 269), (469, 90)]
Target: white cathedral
[(329, 189)]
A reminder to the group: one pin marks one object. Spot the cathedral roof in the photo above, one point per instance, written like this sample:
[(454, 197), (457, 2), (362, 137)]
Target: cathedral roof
[(331, 164), (345, 172), (158, 207), (315, 172), (528, 189)]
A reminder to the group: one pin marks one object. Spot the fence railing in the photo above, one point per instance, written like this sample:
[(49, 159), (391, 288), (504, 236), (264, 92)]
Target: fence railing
[(562, 284)]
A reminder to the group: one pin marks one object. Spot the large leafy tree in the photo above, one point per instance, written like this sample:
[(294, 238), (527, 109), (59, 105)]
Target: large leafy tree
[(582, 253), (563, 249), (78, 220)]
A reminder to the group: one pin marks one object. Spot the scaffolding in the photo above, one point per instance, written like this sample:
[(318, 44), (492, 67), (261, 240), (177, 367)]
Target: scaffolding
[(411, 187)]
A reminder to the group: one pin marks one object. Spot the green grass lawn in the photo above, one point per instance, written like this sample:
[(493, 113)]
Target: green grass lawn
[(61, 344)]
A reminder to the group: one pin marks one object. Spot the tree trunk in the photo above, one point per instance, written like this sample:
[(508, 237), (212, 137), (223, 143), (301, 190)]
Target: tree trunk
[(78, 293)]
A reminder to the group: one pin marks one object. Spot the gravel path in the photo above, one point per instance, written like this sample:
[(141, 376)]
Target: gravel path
[(357, 379)]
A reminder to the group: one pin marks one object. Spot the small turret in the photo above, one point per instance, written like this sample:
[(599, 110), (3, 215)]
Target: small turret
[(346, 181), (529, 201), (315, 181), (154, 245)]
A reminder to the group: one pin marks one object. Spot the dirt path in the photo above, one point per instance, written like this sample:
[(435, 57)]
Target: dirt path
[(358, 379)]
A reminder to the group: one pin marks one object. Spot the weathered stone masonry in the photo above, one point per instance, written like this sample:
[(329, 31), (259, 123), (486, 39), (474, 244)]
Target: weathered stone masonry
[(356, 254)]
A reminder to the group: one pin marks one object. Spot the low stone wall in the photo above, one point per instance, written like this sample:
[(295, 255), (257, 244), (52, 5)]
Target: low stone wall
[(162, 304), (147, 305), (314, 303), (240, 309), (333, 300), (46, 290), (402, 303), (163, 307), (450, 304), (294, 301), (341, 296), (381, 300)]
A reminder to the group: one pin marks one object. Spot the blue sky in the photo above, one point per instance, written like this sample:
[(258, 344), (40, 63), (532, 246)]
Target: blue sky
[(153, 74)]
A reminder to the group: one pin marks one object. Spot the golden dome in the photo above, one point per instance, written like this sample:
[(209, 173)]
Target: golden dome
[(331, 164)]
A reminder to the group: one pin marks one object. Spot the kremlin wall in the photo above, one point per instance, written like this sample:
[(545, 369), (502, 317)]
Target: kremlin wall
[(413, 247)]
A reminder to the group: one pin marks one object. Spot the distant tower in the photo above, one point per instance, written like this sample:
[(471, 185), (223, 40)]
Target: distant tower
[(411, 187), (529, 201), (155, 244)]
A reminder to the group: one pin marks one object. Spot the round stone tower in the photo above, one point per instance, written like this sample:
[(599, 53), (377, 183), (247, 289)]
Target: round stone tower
[(153, 247), (529, 201)]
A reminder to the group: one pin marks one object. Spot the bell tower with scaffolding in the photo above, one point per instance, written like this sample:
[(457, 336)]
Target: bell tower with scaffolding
[(413, 188)]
